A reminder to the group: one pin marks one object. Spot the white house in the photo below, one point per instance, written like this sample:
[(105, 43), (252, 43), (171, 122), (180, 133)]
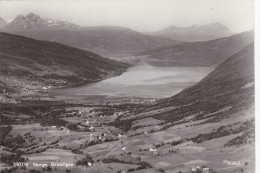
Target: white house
[(89, 164), (205, 170), (91, 136), (146, 133), (152, 149), (193, 170)]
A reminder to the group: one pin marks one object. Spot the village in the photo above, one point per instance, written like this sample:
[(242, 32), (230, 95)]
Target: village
[(87, 137)]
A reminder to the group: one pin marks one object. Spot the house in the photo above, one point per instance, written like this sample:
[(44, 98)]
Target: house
[(152, 149), (146, 134), (146, 146), (91, 136), (123, 148), (205, 170), (193, 170), (90, 164)]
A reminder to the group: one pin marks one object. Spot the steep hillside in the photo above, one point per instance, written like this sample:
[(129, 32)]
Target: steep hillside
[(214, 118), (226, 90), (205, 53), (230, 87), (27, 64), (105, 40), (195, 32)]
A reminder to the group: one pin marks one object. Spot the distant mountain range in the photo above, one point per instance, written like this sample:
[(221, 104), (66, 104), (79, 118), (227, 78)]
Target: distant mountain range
[(27, 64), (204, 53), (105, 40), (194, 32)]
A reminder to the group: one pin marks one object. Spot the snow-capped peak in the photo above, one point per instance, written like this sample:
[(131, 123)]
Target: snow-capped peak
[(34, 21)]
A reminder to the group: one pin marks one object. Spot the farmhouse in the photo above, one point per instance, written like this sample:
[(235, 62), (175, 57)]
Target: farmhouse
[(205, 170)]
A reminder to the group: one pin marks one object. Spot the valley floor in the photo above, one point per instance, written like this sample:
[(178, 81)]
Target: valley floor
[(86, 135)]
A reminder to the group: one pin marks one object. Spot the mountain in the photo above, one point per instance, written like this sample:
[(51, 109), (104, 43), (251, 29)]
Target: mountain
[(27, 65), (230, 85), (195, 32), (35, 22), (105, 40), (227, 90), (204, 53), (214, 118)]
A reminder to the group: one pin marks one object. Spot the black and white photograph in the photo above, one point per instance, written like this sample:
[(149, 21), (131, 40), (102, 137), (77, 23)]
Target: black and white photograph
[(120, 86)]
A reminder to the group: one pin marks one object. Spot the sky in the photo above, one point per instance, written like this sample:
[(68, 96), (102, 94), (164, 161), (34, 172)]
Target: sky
[(140, 15)]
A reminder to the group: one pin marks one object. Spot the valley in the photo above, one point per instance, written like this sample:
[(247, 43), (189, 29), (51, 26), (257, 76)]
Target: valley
[(91, 132), (111, 99)]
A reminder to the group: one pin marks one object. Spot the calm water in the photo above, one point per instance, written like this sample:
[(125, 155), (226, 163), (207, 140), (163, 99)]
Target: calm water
[(143, 81)]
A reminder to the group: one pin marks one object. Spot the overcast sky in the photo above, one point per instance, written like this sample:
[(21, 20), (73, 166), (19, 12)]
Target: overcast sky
[(140, 15)]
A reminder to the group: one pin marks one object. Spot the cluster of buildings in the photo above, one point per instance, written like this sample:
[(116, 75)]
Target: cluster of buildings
[(199, 169)]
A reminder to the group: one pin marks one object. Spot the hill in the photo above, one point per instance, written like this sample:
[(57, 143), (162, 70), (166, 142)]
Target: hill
[(195, 32), (204, 53), (230, 85), (226, 90), (27, 64), (105, 40), (214, 118)]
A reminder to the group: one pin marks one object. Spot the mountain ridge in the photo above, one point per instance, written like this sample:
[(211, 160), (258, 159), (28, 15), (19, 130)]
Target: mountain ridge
[(108, 41), (28, 65), (202, 53), (195, 32), (227, 85), (33, 21)]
